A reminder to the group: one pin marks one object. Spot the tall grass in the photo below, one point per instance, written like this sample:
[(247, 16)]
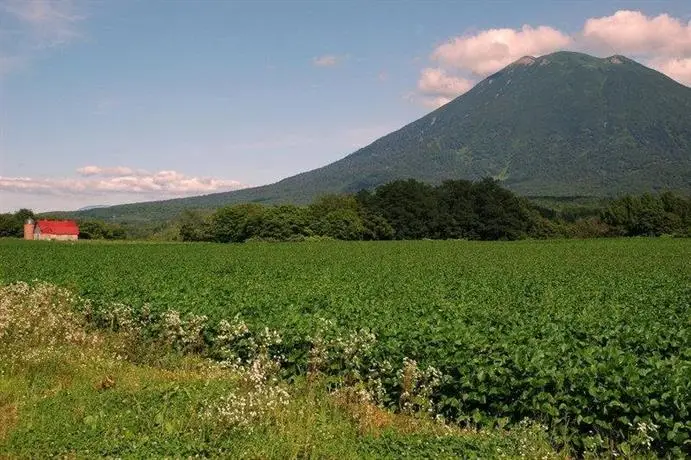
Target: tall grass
[(69, 389)]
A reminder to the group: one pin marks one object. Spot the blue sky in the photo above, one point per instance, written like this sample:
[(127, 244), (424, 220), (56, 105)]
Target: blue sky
[(106, 102)]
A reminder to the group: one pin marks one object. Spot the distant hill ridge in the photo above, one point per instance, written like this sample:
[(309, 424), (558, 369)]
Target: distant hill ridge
[(564, 124)]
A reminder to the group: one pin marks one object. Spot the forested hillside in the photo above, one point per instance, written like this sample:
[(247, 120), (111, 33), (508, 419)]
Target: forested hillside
[(565, 124)]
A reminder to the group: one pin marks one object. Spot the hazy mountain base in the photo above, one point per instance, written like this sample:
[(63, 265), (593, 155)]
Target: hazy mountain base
[(69, 390)]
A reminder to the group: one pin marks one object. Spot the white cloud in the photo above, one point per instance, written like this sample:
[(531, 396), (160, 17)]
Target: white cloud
[(678, 69), (116, 171), (328, 60), (491, 50), (426, 100), (98, 180), (633, 33), (463, 59), (662, 42), (437, 81), (437, 87), (435, 102)]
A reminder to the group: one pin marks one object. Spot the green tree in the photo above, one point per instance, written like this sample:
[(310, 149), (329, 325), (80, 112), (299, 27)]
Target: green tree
[(236, 223), (375, 226), (194, 226), (99, 230), (409, 206), (284, 223), (341, 224), (649, 215), (456, 217), (8, 225), (12, 225), (500, 214), (326, 204)]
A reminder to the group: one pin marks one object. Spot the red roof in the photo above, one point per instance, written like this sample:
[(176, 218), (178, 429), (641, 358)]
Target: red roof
[(58, 227)]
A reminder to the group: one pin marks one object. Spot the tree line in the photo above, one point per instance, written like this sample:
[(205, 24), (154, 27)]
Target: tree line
[(455, 209), (12, 224), (403, 210)]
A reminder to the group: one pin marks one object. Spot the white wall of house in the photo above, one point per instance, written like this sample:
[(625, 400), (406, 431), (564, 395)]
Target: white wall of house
[(40, 236)]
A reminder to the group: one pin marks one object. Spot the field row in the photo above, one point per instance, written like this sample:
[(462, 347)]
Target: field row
[(591, 338)]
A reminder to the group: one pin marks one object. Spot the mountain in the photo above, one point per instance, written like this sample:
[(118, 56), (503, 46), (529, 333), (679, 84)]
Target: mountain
[(89, 208), (563, 124)]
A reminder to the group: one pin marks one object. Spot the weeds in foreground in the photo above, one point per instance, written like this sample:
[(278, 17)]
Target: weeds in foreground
[(139, 384)]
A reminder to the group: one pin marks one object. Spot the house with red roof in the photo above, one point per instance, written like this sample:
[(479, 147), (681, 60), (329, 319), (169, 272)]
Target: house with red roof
[(64, 230)]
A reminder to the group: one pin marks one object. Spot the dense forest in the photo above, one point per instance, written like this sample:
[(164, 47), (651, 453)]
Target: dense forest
[(404, 210), (457, 209)]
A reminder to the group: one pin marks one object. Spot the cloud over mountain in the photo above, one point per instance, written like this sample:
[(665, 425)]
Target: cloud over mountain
[(632, 32), (493, 49), (662, 42), (99, 180)]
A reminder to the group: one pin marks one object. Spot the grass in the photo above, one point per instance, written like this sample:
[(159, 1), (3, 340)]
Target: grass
[(67, 391), (589, 338)]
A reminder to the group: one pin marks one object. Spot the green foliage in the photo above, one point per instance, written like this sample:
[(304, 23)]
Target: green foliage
[(409, 206), (375, 227), (650, 215), (97, 230), (591, 338), (8, 225), (409, 209), (284, 223), (500, 214), (12, 224), (68, 389), (23, 215), (401, 209), (455, 209), (340, 224), (146, 415), (326, 204), (236, 223), (527, 440), (194, 226)]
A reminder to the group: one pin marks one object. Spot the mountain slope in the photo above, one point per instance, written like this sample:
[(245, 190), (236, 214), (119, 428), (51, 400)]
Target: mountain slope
[(564, 124)]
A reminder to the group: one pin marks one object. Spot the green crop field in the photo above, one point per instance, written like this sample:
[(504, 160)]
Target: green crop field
[(591, 338)]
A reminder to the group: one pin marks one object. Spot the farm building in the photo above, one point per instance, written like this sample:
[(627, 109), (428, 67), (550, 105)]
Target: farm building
[(63, 230)]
